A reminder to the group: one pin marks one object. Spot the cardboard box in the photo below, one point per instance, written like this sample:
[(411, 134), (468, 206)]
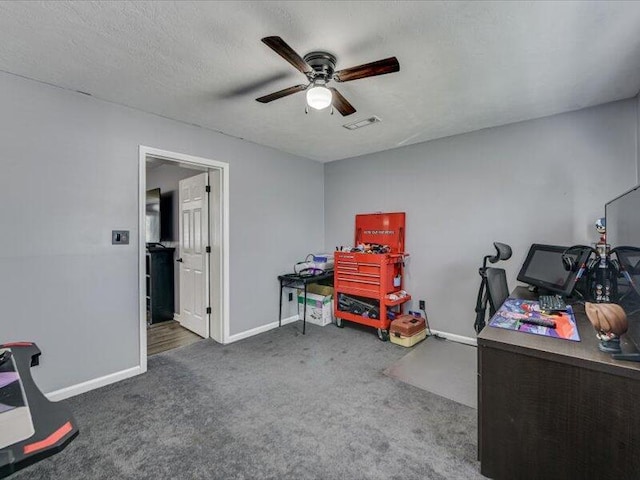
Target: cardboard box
[(319, 304)]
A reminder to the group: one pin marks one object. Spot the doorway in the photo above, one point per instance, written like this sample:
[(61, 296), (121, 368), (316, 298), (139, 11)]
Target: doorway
[(199, 285)]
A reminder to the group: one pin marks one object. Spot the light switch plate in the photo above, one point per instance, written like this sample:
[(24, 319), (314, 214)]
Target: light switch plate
[(120, 237)]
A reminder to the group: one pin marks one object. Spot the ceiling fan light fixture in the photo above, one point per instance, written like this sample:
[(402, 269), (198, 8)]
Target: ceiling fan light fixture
[(319, 68), (319, 97)]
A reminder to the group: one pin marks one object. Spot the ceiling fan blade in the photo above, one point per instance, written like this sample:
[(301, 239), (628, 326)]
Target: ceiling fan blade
[(341, 104), (281, 93), (279, 46), (381, 67), (255, 86)]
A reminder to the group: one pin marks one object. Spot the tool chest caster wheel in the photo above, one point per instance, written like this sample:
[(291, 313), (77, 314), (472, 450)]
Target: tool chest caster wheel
[(383, 335), (339, 323)]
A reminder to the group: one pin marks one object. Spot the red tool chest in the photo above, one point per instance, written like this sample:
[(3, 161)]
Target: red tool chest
[(373, 276)]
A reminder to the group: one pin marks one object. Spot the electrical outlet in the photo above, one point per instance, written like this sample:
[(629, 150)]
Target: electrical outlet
[(291, 296), (421, 303), (120, 237)]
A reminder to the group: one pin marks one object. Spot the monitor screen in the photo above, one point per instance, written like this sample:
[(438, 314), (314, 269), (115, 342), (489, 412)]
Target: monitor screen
[(623, 234), (543, 268), (623, 219)]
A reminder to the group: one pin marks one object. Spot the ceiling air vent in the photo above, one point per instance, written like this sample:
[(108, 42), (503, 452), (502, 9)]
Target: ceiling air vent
[(362, 123)]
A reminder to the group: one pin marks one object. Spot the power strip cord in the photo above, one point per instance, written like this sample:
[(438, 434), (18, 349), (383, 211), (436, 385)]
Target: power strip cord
[(426, 320)]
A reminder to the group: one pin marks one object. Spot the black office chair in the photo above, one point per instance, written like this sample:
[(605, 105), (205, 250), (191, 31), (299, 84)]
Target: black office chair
[(497, 288), (494, 291)]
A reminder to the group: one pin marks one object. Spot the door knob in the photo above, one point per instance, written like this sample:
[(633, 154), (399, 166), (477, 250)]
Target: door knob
[(179, 260)]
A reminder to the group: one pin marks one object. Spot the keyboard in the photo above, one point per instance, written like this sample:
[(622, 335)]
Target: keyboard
[(552, 303)]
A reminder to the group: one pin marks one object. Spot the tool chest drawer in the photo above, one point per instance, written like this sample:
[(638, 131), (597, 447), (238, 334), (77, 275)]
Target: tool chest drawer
[(376, 274)]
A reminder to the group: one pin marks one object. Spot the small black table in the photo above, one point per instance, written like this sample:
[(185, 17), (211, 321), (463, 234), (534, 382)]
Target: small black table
[(53, 423), (295, 279)]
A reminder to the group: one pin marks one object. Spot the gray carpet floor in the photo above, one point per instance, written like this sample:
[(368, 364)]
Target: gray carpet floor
[(279, 405)]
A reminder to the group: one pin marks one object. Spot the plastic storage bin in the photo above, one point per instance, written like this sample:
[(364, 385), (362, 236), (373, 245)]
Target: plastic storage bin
[(400, 339)]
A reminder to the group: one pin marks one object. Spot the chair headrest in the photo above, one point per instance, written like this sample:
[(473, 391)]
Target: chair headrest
[(503, 252)]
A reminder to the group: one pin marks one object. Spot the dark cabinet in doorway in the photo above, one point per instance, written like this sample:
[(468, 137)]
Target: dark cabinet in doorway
[(160, 299)]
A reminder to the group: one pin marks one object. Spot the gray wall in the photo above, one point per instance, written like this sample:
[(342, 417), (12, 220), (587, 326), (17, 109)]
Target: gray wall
[(166, 178), (542, 181), (70, 176)]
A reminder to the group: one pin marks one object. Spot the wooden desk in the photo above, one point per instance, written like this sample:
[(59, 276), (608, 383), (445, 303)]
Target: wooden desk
[(550, 408)]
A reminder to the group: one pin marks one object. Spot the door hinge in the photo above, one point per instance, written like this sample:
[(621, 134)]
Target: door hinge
[(207, 189), (208, 249), (208, 309)]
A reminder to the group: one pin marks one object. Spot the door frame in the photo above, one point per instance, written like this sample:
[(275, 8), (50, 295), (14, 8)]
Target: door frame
[(219, 318)]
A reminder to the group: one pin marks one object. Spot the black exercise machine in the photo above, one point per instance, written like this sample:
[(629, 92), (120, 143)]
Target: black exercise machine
[(35, 427)]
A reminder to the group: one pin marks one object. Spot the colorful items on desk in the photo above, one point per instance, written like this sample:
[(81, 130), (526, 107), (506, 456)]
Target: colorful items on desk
[(522, 315), (314, 264)]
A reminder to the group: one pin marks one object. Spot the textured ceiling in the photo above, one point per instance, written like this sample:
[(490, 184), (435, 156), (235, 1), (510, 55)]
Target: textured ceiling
[(463, 65)]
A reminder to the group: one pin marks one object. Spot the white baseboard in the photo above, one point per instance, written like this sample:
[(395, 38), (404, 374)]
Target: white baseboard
[(292, 319), (456, 338), (84, 387), (262, 329), (270, 326), (89, 385), (176, 317)]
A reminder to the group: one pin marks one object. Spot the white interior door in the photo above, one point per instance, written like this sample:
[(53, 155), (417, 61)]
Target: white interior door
[(194, 261)]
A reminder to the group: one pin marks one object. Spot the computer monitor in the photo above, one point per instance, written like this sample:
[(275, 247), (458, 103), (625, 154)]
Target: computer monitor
[(623, 234), (543, 268), (623, 219)]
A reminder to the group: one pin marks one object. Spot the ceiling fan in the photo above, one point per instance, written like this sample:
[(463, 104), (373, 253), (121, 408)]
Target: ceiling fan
[(319, 68)]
